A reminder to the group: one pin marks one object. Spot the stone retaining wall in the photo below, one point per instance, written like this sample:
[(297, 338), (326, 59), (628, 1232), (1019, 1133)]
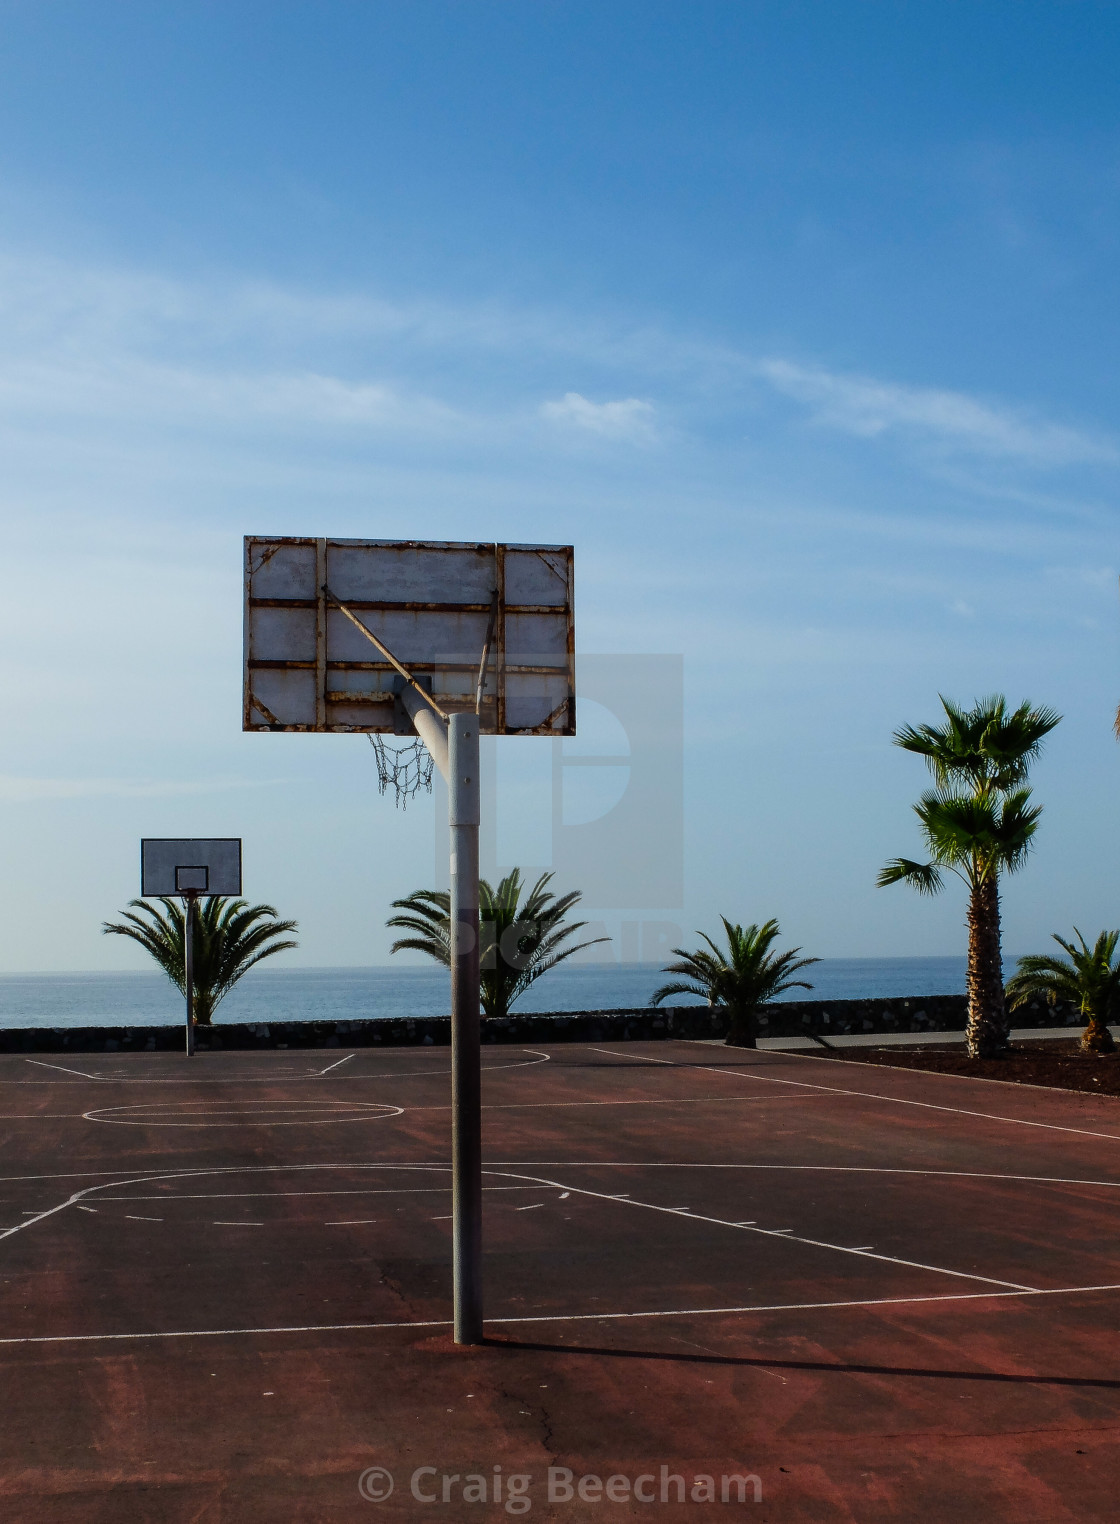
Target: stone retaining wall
[(932, 1013)]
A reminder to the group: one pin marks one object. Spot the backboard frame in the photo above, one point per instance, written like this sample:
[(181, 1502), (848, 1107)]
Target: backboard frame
[(306, 667), (177, 866)]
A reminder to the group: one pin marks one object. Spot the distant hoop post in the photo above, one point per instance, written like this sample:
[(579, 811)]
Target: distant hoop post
[(191, 901)]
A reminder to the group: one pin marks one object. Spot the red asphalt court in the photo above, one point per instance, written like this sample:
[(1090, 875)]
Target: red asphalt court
[(225, 1290)]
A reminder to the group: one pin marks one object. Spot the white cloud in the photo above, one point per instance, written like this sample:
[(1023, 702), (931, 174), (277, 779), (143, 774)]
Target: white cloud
[(868, 407), (629, 419)]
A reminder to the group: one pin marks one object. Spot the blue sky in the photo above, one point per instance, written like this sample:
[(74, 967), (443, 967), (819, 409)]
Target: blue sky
[(799, 321)]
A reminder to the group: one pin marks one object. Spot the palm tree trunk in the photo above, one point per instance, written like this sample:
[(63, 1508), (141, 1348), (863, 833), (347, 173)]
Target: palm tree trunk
[(987, 1015), (741, 1028), (1096, 1037)]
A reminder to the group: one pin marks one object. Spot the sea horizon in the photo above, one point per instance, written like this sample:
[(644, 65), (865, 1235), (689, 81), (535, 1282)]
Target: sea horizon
[(141, 997)]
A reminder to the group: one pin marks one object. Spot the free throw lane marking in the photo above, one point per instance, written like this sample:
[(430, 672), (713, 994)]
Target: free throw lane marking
[(287, 1075), (42, 1064), (785, 1234), (329, 1067)]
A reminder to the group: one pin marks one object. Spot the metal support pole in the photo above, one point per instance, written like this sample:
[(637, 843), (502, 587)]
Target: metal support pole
[(188, 966), (466, 1077), (432, 731)]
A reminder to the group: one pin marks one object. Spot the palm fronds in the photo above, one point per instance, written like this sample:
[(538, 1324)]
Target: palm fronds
[(924, 877), (988, 746), (520, 938), (741, 979), (230, 937), (1088, 977)]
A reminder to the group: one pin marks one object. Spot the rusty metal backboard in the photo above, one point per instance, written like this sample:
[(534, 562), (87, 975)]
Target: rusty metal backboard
[(429, 603)]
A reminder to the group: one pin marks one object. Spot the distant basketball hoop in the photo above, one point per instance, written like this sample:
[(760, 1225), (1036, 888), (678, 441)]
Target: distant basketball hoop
[(185, 868)]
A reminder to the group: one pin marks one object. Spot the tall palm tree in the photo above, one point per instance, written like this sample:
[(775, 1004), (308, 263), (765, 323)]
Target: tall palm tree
[(739, 981), (519, 939), (977, 823), (230, 936), (1090, 979)]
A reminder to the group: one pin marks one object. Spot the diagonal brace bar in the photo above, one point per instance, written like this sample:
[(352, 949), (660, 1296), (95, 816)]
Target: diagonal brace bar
[(384, 649)]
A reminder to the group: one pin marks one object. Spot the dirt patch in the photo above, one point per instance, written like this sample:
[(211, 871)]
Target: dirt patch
[(1057, 1062)]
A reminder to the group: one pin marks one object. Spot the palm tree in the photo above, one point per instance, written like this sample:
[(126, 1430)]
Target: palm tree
[(1090, 979), (519, 940), (976, 839), (739, 981), (229, 937), (977, 823)]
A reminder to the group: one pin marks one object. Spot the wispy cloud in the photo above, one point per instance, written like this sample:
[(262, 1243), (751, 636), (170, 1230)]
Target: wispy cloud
[(629, 419), (14, 790), (302, 366), (868, 407)]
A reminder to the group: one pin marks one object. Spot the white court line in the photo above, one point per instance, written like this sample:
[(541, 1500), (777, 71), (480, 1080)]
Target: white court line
[(77, 1196), (329, 1067), (272, 1079), (678, 1212), (42, 1064), (867, 1095), (436, 1165), (352, 1111), (188, 1173), (684, 1100), (839, 1169), (426, 1190), (878, 1301), (560, 1317), (783, 1233)]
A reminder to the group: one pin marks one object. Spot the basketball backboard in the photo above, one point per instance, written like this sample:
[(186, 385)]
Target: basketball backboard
[(432, 604), (190, 865)]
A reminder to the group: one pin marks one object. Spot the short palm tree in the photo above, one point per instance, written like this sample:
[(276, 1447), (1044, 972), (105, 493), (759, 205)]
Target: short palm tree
[(739, 981), (1089, 979), (230, 936), (519, 939), (977, 823)]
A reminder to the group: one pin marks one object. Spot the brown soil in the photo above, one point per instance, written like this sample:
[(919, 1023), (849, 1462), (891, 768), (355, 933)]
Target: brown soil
[(1058, 1062)]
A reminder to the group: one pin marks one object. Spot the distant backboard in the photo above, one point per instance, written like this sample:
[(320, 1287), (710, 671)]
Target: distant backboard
[(431, 604), (184, 865)]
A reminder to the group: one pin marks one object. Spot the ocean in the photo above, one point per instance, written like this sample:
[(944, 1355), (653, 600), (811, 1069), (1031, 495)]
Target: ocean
[(341, 994)]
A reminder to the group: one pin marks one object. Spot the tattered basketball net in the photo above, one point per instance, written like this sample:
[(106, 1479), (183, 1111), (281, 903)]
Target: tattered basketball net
[(407, 765)]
